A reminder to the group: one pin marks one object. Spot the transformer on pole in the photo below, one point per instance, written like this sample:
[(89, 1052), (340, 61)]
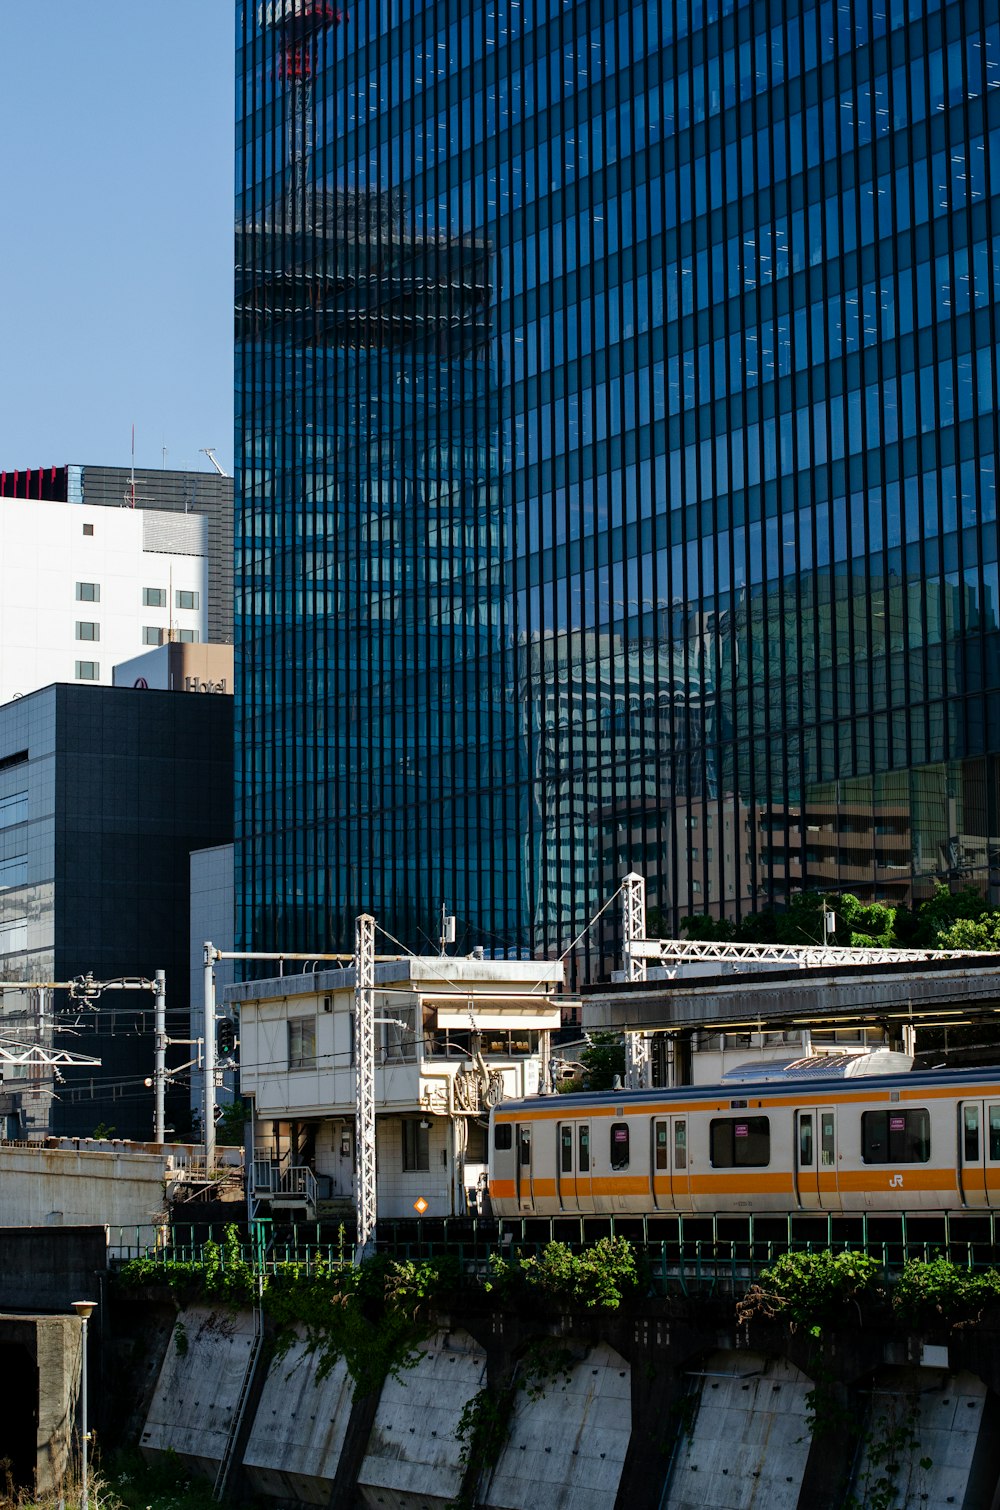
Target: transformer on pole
[(364, 1057), (638, 1061)]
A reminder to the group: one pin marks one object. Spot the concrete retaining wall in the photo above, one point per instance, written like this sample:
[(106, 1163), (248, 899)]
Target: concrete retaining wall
[(748, 1441), (671, 1410), (414, 1457), (567, 1445), (199, 1386), (66, 1187), (298, 1431)]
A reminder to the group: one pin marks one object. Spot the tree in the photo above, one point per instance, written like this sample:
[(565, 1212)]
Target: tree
[(705, 929), (604, 1058), (230, 1126)]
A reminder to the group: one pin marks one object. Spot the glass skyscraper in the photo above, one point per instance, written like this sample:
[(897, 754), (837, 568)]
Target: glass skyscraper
[(617, 410)]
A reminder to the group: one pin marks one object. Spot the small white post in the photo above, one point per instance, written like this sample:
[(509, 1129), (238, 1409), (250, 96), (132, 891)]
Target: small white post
[(208, 1063), (160, 1059)]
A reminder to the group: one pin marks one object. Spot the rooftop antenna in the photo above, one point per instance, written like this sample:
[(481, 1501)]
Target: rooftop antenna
[(209, 451)]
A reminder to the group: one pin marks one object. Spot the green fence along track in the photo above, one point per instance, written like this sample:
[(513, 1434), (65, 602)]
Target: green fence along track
[(682, 1254)]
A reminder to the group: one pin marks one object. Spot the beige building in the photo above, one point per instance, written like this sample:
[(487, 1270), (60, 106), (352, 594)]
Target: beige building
[(457, 1036)]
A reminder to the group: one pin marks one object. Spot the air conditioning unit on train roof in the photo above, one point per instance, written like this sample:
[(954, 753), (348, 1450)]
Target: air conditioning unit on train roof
[(824, 1066)]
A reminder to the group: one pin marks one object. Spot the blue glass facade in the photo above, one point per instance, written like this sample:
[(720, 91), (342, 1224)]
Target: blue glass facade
[(617, 410)]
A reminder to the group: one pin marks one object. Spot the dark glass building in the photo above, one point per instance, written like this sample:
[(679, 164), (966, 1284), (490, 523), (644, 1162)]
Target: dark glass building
[(617, 421), (104, 793)]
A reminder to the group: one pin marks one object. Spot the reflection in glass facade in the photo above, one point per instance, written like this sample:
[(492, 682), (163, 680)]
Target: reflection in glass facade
[(617, 394)]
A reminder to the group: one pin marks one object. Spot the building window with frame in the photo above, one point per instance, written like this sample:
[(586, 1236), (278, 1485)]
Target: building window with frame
[(302, 1043), (416, 1147), (151, 635), (185, 598), (88, 671), (88, 592), (188, 636), (88, 529), (154, 597), (87, 631)]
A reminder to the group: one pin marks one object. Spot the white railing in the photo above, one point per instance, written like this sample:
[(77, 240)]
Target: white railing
[(671, 951)]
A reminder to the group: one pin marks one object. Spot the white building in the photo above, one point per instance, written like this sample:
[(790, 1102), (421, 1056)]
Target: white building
[(464, 1033), (83, 588)]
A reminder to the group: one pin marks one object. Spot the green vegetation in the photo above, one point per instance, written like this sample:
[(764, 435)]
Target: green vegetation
[(815, 1289), (231, 1125), (128, 1483), (598, 1278), (375, 1315), (947, 920)]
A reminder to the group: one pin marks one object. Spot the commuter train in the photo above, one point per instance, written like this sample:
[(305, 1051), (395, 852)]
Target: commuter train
[(817, 1135)]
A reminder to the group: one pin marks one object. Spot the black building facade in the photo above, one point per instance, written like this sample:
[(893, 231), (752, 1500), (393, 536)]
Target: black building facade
[(104, 793)]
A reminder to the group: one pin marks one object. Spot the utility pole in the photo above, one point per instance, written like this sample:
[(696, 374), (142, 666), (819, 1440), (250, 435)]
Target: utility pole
[(364, 1056), (208, 1062), (637, 1056), (160, 1058)]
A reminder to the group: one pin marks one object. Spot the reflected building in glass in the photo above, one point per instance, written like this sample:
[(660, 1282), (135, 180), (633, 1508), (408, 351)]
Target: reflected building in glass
[(617, 394)]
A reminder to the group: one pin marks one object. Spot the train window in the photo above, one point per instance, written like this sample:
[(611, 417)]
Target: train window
[(660, 1144), (995, 1132), (584, 1165), (740, 1142), (680, 1145), (896, 1137), (524, 1147), (502, 1137), (826, 1139), (805, 1139), (619, 1145), (970, 1134), (566, 1149)]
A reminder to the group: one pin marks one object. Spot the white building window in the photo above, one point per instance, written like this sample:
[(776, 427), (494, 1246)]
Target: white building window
[(87, 631), (416, 1146), (88, 671), (88, 592), (302, 1043), (151, 635), (154, 597), (188, 636), (184, 598)]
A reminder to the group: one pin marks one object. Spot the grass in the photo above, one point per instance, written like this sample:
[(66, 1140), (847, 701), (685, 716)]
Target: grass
[(128, 1482)]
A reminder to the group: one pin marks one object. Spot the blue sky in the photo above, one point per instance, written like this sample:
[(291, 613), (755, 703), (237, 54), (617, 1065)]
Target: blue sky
[(116, 232)]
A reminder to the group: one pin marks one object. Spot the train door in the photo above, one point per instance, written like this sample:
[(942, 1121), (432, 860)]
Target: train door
[(972, 1153), (680, 1178), (525, 1194), (566, 1166), (815, 1159), (574, 1166), (584, 1163), (670, 1180), (991, 1133)]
